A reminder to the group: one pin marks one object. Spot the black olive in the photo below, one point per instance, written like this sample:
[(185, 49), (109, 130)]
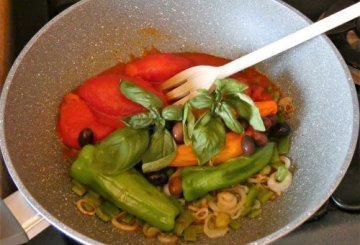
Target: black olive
[(267, 122), (177, 132), (280, 130), (85, 137), (157, 178), (247, 145), (260, 138)]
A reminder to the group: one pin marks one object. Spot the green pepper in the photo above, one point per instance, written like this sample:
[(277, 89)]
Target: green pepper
[(182, 222), (102, 215), (284, 145), (254, 213), (275, 157), (78, 188), (250, 200), (264, 194), (281, 173), (106, 211), (128, 190), (199, 180)]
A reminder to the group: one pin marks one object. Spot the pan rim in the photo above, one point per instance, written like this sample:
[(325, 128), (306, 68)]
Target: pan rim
[(87, 240)]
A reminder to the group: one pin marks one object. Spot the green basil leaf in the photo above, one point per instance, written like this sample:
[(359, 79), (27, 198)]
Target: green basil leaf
[(139, 95), (254, 119), (225, 111), (242, 108), (203, 100), (158, 164), (208, 137), (161, 151), (121, 150), (141, 120), (160, 123), (172, 113), (230, 86), (188, 123)]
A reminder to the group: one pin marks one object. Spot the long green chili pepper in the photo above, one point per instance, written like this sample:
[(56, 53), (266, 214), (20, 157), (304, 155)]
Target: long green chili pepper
[(199, 180), (128, 190)]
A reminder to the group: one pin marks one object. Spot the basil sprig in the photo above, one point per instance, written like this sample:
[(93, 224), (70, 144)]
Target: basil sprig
[(162, 148), (227, 97), (208, 134)]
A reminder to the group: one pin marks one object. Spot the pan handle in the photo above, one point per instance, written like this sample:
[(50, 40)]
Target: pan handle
[(19, 222)]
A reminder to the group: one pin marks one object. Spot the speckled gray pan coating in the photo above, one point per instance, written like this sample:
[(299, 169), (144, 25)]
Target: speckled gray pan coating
[(96, 34)]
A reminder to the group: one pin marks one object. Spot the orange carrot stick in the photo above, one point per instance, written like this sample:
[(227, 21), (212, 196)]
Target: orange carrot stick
[(185, 156), (267, 108), (231, 149)]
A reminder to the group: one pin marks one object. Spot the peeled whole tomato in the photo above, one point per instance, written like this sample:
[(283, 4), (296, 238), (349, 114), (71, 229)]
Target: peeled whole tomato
[(103, 95), (157, 68), (75, 116)]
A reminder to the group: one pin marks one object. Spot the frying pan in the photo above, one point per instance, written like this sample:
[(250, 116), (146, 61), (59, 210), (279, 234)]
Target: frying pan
[(94, 35)]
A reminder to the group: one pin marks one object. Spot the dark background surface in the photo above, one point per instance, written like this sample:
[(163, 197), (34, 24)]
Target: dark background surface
[(336, 227)]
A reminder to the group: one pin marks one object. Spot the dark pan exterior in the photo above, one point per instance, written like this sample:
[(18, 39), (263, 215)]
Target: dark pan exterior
[(96, 34)]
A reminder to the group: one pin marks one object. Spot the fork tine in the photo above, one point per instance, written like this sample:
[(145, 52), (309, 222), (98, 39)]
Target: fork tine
[(176, 80), (182, 101), (179, 92), (181, 77)]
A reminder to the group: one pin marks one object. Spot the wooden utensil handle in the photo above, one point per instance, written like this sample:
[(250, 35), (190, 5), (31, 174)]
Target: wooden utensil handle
[(290, 41)]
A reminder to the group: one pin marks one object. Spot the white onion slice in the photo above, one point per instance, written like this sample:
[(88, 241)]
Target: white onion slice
[(279, 187), (213, 232), (286, 161)]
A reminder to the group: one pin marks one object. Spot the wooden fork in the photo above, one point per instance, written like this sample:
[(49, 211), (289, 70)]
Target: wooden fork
[(185, 84)]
